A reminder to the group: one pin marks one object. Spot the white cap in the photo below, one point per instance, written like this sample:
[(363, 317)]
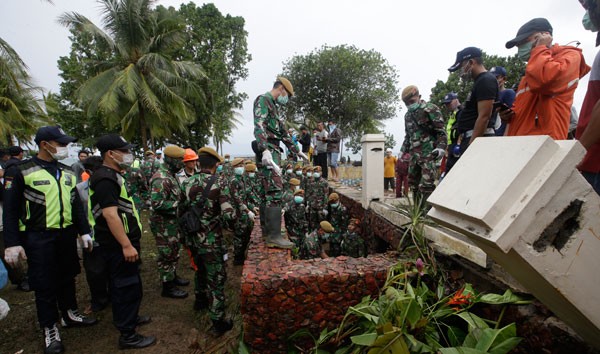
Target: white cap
[(388, 150)]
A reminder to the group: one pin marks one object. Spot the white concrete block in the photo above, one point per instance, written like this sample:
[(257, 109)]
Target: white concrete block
[(522, 201), (372, 168)]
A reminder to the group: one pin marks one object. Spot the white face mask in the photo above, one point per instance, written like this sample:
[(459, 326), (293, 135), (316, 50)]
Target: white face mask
[(316, 175), (62, 152), (127, 160), (289, 172), (251, 174), (309, 174)]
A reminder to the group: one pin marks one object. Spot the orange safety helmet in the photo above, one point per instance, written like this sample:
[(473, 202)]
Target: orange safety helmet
[(190, 155)]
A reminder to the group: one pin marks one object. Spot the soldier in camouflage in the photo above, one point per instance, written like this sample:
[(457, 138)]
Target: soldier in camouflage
[(165, 196), (425, 140), (288, 173), (316, 243), (207, 245), (255, 188), (148, 167), (317, 198), (295, 218), (269, 131), (227, 168), (137, 185), (353, 245), (288, 193), (337, 215), (244, 214)]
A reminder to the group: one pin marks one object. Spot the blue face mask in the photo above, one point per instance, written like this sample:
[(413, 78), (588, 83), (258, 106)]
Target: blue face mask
[(283, 100), (238, 171), (334, 205), (316, 175), (587, 23), (299, 173), (309, 174), (219, 168), (289, 172), (251, 174), (332, 127), (298, 199), (525, 51)]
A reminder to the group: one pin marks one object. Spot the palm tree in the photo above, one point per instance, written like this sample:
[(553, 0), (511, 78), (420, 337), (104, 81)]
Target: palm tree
[(20, 111), (141, 87)]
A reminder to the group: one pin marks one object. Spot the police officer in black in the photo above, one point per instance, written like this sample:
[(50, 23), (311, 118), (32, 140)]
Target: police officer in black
[(117, 230), (42, 217)]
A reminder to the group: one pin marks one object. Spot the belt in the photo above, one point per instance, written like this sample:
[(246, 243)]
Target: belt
[(469, 133)]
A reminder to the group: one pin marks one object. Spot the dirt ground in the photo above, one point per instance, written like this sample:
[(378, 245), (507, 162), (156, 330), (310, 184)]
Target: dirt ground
[(178, 328)]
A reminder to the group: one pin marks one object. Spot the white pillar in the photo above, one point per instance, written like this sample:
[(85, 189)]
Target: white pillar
[(522, 200), (372, 168)]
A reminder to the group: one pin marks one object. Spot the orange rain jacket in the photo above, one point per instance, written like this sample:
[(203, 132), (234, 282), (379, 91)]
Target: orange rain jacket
[(545, 95)]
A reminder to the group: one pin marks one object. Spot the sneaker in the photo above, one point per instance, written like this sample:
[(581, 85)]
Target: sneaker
[(74, 319), (52, 342)]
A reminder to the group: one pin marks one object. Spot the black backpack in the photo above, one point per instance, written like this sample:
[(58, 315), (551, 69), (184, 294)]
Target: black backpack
[(189, 222)]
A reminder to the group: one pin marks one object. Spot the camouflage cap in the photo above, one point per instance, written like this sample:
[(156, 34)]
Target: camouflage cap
[(299, 192), (208, 151), (333, 197), (250, 167), (326, 226), (294, 181), (237, 161), (298, 167), (174, 151), (247, 161), (409, 91), (287, 84), (317, 169)]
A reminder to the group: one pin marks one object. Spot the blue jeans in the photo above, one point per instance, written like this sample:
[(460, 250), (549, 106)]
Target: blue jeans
[(593, 179)]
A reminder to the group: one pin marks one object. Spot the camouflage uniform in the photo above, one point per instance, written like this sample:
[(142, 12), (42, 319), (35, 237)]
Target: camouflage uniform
[(255, 190), (338, 218), (295, 222), (425, 131), (316, 200), (207, 246), (148, 168), (165, 196), (311, 246), (243, 224), (137, 185), (353, 245)]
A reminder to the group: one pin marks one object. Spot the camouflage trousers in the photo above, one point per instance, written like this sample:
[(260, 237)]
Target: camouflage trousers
[(209, 283), (241, 235), (422, 173), (314, 217), (335, 240), (166, 235), (272, 186)]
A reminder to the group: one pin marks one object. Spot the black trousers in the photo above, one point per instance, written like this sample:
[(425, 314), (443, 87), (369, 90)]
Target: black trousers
[(125, 287), (96, 274), (53, 264), (321, 160)]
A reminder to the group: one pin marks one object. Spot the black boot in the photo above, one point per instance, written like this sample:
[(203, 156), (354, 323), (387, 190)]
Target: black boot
[(52, 342), (220, 327), (273, 229), (135, 341), (180, 281), (201, 302), (170, 290), (74, 319)]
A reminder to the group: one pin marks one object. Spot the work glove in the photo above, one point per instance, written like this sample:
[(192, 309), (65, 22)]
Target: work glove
[(12, 255), (324, 212), (87, 243), (303, 156), (251, 215), (267, 160), (438, 153)]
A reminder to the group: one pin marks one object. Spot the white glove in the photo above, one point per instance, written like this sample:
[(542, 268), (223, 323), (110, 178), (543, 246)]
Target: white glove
[(325, 212), (267, 160), (12, 255), (302, 155), (438, 153), (87, 243), (251, 215)]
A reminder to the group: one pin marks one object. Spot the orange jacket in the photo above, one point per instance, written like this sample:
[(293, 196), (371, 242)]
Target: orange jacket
[(545, 95)]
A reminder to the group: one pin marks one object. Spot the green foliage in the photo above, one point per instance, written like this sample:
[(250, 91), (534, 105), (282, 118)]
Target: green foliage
[(390, 142), (513, 65), (355, 87)]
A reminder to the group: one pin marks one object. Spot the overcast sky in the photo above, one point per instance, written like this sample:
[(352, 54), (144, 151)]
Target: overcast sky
[(419, 38)]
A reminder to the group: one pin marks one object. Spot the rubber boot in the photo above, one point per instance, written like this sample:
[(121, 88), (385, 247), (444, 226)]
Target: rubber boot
[(273, 228)]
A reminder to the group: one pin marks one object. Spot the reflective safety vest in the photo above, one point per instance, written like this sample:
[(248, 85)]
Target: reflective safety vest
[(48, 199)]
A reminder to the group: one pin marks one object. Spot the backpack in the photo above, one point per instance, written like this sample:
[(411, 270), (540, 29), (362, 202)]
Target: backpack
[(189, 222)]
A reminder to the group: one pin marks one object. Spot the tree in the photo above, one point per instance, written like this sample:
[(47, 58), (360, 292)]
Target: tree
[(218, 44), (20, 111), (140, 87), (355, 87), (515, 68), (390, 142)]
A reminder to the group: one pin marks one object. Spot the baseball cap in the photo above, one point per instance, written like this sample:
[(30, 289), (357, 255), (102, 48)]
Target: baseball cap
[(536, 25), (53, 133), (14, 150), (498, 71), (449, 97), (113, 142), (465, 54)]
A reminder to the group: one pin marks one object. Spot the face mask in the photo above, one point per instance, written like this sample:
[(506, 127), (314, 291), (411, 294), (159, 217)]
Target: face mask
[(173, 165), (525, 51), (127, 160), (298, 199), (299, 173), (60, 154), (309, 174), (587, 23), (316, 175), (466, 75), (251, 174), (282, 99), (289, 172), (238, 171), (296, 188), (413, 106), (226, 160), (332, 127), (334, 205), (219, 168)]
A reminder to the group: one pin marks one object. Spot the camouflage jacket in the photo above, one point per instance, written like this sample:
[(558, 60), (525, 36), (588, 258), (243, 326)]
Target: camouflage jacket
[(269, 127), (425, 129), (338, 218), (255, 190), (353, 245), (319, 190), (149, 167), (165, 192), (217, 210), (295, 219), (239, 195), (136, 182), (311, 246)]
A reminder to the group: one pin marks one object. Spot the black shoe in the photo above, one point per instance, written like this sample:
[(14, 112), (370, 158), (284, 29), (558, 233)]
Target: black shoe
[(200, 304), (135, 341), (180, 281), (52, 342), (170, 290), (220, 327), (74, 319), (143, 320), (24, 285)]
